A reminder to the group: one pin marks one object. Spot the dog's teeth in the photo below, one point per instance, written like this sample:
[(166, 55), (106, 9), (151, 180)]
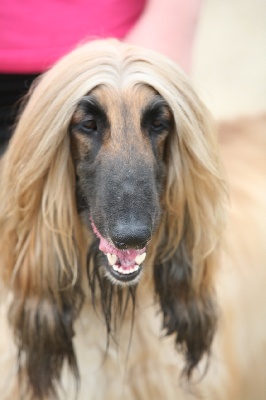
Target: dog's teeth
[(121, 270), (140, 258), (125, 271), (112, 258)]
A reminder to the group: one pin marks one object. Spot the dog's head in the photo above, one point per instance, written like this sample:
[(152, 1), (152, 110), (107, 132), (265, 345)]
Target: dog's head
[(115, 139), (118, 137)]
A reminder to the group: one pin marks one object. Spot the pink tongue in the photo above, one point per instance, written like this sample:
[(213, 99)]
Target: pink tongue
[(126, 257)]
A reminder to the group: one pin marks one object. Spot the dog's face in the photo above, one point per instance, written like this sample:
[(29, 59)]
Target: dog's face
[(119, 151)]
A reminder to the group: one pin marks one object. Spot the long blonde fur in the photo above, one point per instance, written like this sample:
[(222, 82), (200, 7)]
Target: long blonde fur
[(44, 244)]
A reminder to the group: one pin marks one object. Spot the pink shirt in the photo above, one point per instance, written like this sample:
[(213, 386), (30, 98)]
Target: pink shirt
[(35, 33)]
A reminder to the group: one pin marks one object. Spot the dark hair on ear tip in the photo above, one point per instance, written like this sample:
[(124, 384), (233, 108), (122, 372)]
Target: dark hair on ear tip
[(44, 332), (189, 315)]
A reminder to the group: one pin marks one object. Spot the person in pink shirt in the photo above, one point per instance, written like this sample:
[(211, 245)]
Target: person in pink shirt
[(34, 34)]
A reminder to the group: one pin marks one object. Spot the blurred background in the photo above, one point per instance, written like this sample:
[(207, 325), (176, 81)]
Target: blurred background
[(229, 69)]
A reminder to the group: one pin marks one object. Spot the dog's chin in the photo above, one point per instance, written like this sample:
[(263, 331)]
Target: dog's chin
[(123, 267)]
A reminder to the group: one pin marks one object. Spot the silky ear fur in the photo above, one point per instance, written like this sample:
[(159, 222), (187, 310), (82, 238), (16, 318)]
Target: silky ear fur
[(190, 234), (41, 249)]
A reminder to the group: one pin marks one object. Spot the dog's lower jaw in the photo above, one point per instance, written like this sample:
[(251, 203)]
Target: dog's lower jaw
[(119, 279)]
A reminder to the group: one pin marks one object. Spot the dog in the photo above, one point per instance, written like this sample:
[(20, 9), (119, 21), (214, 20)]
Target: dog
[(125, 270)]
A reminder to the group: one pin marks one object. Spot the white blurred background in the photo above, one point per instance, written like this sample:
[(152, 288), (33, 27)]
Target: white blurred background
[(229, 69)]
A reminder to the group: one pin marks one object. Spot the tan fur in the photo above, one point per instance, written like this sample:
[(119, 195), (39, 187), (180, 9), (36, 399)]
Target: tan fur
[(37, 211)]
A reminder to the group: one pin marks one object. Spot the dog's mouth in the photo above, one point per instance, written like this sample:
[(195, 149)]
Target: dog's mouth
[(123, 266)]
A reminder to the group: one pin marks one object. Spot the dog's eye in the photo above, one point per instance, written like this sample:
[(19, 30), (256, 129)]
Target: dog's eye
[(89, 125), (157, 125)]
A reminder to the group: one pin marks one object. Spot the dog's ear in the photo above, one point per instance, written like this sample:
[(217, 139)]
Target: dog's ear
[(41, 245), (190, 234)]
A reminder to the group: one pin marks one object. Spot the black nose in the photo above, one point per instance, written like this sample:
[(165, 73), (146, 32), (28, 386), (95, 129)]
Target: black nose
[(130, 236)]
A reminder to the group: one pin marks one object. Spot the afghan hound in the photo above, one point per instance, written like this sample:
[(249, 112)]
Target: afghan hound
[(122, 275)]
